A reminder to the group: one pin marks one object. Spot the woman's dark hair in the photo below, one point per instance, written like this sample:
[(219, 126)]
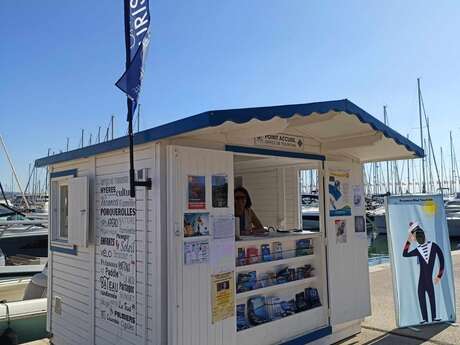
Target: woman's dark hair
[(246, 193)]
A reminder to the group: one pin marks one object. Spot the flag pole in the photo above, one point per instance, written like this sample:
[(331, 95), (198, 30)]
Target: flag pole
[(132, 181)]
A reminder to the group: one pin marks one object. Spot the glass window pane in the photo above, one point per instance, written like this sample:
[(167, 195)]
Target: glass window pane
[(63, 211)]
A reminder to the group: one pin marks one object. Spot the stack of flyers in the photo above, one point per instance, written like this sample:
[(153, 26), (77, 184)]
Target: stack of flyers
[(265, 252), (252, 254), (274, 309), (277, 250), (241, 261)]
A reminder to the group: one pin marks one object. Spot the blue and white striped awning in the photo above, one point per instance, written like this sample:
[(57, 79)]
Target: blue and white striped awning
[(335, 127)]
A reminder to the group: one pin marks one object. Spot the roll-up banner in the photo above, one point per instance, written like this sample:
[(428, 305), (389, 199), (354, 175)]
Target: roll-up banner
[(421, 262)]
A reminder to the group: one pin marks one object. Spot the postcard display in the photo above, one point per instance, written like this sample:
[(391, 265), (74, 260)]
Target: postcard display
[(274, 280), (279, 286)]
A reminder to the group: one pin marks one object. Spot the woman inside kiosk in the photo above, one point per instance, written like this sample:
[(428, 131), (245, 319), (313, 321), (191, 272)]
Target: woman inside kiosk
[(248, 221)]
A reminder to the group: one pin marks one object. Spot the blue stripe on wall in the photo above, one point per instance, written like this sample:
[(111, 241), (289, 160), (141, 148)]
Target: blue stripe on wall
[(70, 172), (64, 250), (308, 338), (276, 153)]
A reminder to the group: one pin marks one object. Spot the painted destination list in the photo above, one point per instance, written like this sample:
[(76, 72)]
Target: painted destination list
[(116, 249)]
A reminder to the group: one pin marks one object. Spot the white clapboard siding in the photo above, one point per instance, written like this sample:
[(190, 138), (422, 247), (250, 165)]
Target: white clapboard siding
[(263, 189), (348, 272), (292, 197), (73, 279), (70, 281), (106, 333), (189, 284), (275, 195)]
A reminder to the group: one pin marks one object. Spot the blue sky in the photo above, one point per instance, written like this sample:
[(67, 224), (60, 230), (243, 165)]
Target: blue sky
[(60, 60)]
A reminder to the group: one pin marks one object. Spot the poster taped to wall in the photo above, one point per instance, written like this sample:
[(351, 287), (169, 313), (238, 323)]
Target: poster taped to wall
[(339, 193), (341, 230), (116, 252), (358, 199), (196, 252), (222, 296), (360, 227), (196, 192), (196, 224), (421, 261), (219, 191)]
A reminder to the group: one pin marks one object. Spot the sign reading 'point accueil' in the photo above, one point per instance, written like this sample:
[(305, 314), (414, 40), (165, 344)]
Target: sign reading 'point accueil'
[(280, 141)]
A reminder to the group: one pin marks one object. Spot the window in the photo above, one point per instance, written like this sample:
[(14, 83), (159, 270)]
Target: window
[(63, 214), (69, 207)]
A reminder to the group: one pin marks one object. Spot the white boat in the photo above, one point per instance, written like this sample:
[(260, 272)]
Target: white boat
[(452, 207), (23, 244), (23, 307), (310, 212)]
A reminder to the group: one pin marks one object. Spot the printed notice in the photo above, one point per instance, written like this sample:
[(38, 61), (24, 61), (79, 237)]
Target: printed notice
[(116, 252), (196, 252), (222, 296)]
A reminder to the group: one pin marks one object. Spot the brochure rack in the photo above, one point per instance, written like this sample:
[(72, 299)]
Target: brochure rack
[(286, 290)]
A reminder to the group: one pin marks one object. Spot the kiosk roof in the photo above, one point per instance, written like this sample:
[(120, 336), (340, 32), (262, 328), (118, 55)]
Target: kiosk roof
[(329, 135)]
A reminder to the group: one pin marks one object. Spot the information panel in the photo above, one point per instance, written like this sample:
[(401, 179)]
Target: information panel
[(116, 251), (420, 259)]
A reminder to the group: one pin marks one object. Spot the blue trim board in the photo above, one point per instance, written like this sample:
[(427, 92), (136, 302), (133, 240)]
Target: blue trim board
[(64, 250), (71, 172), (276, 153), (218, 117), (308, 338)]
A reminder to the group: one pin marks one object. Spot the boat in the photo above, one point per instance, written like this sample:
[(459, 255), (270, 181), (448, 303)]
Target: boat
[(310, 212), (23, 243), (23, 308), (452, 207)]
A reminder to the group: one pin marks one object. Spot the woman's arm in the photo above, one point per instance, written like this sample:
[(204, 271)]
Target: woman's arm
[(255, 221)]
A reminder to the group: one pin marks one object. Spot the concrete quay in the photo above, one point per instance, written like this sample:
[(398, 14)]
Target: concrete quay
[(380, 327)]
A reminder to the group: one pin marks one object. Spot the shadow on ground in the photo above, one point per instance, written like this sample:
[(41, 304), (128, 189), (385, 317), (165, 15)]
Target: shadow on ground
[(400, 336)]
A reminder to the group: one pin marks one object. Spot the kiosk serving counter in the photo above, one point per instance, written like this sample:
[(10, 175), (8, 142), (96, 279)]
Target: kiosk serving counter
[(171, 266)]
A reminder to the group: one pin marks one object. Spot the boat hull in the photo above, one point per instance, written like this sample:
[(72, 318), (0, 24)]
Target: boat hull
[(28, 319)]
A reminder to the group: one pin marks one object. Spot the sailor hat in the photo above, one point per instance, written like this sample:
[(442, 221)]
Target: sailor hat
[(413, 226)]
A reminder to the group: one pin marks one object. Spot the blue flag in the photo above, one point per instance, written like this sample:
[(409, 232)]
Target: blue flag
[(137, 22)]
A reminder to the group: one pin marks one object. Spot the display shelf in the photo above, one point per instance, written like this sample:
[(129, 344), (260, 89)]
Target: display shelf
[(266, 264), (271, 288), (276, 236), (283, 329)]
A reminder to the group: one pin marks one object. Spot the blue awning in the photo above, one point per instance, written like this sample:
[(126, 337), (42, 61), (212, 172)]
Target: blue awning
[(238, 116)]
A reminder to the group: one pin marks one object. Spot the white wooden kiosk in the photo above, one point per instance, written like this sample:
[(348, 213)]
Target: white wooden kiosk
[(122, 271)]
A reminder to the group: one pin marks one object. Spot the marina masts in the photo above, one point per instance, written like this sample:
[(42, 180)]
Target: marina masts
[(421, 135), (14, 172)]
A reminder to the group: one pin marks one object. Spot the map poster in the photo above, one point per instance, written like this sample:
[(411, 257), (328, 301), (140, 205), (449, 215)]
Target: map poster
[(116, 251), (222, 296), (339, 193)]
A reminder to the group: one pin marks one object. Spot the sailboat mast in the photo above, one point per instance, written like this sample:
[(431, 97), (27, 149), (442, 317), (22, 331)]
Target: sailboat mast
[(421, 135), (385, 120), (451, 165), (408, 172), (14, 172), (442, 171)]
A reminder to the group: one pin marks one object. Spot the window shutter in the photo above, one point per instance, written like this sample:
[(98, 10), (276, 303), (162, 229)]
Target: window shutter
[(78, 211)]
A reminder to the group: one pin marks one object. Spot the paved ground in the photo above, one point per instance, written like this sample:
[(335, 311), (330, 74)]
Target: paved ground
[(380, 328)]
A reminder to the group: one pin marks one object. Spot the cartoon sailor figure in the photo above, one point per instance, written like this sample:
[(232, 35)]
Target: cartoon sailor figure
[(426, 252)]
